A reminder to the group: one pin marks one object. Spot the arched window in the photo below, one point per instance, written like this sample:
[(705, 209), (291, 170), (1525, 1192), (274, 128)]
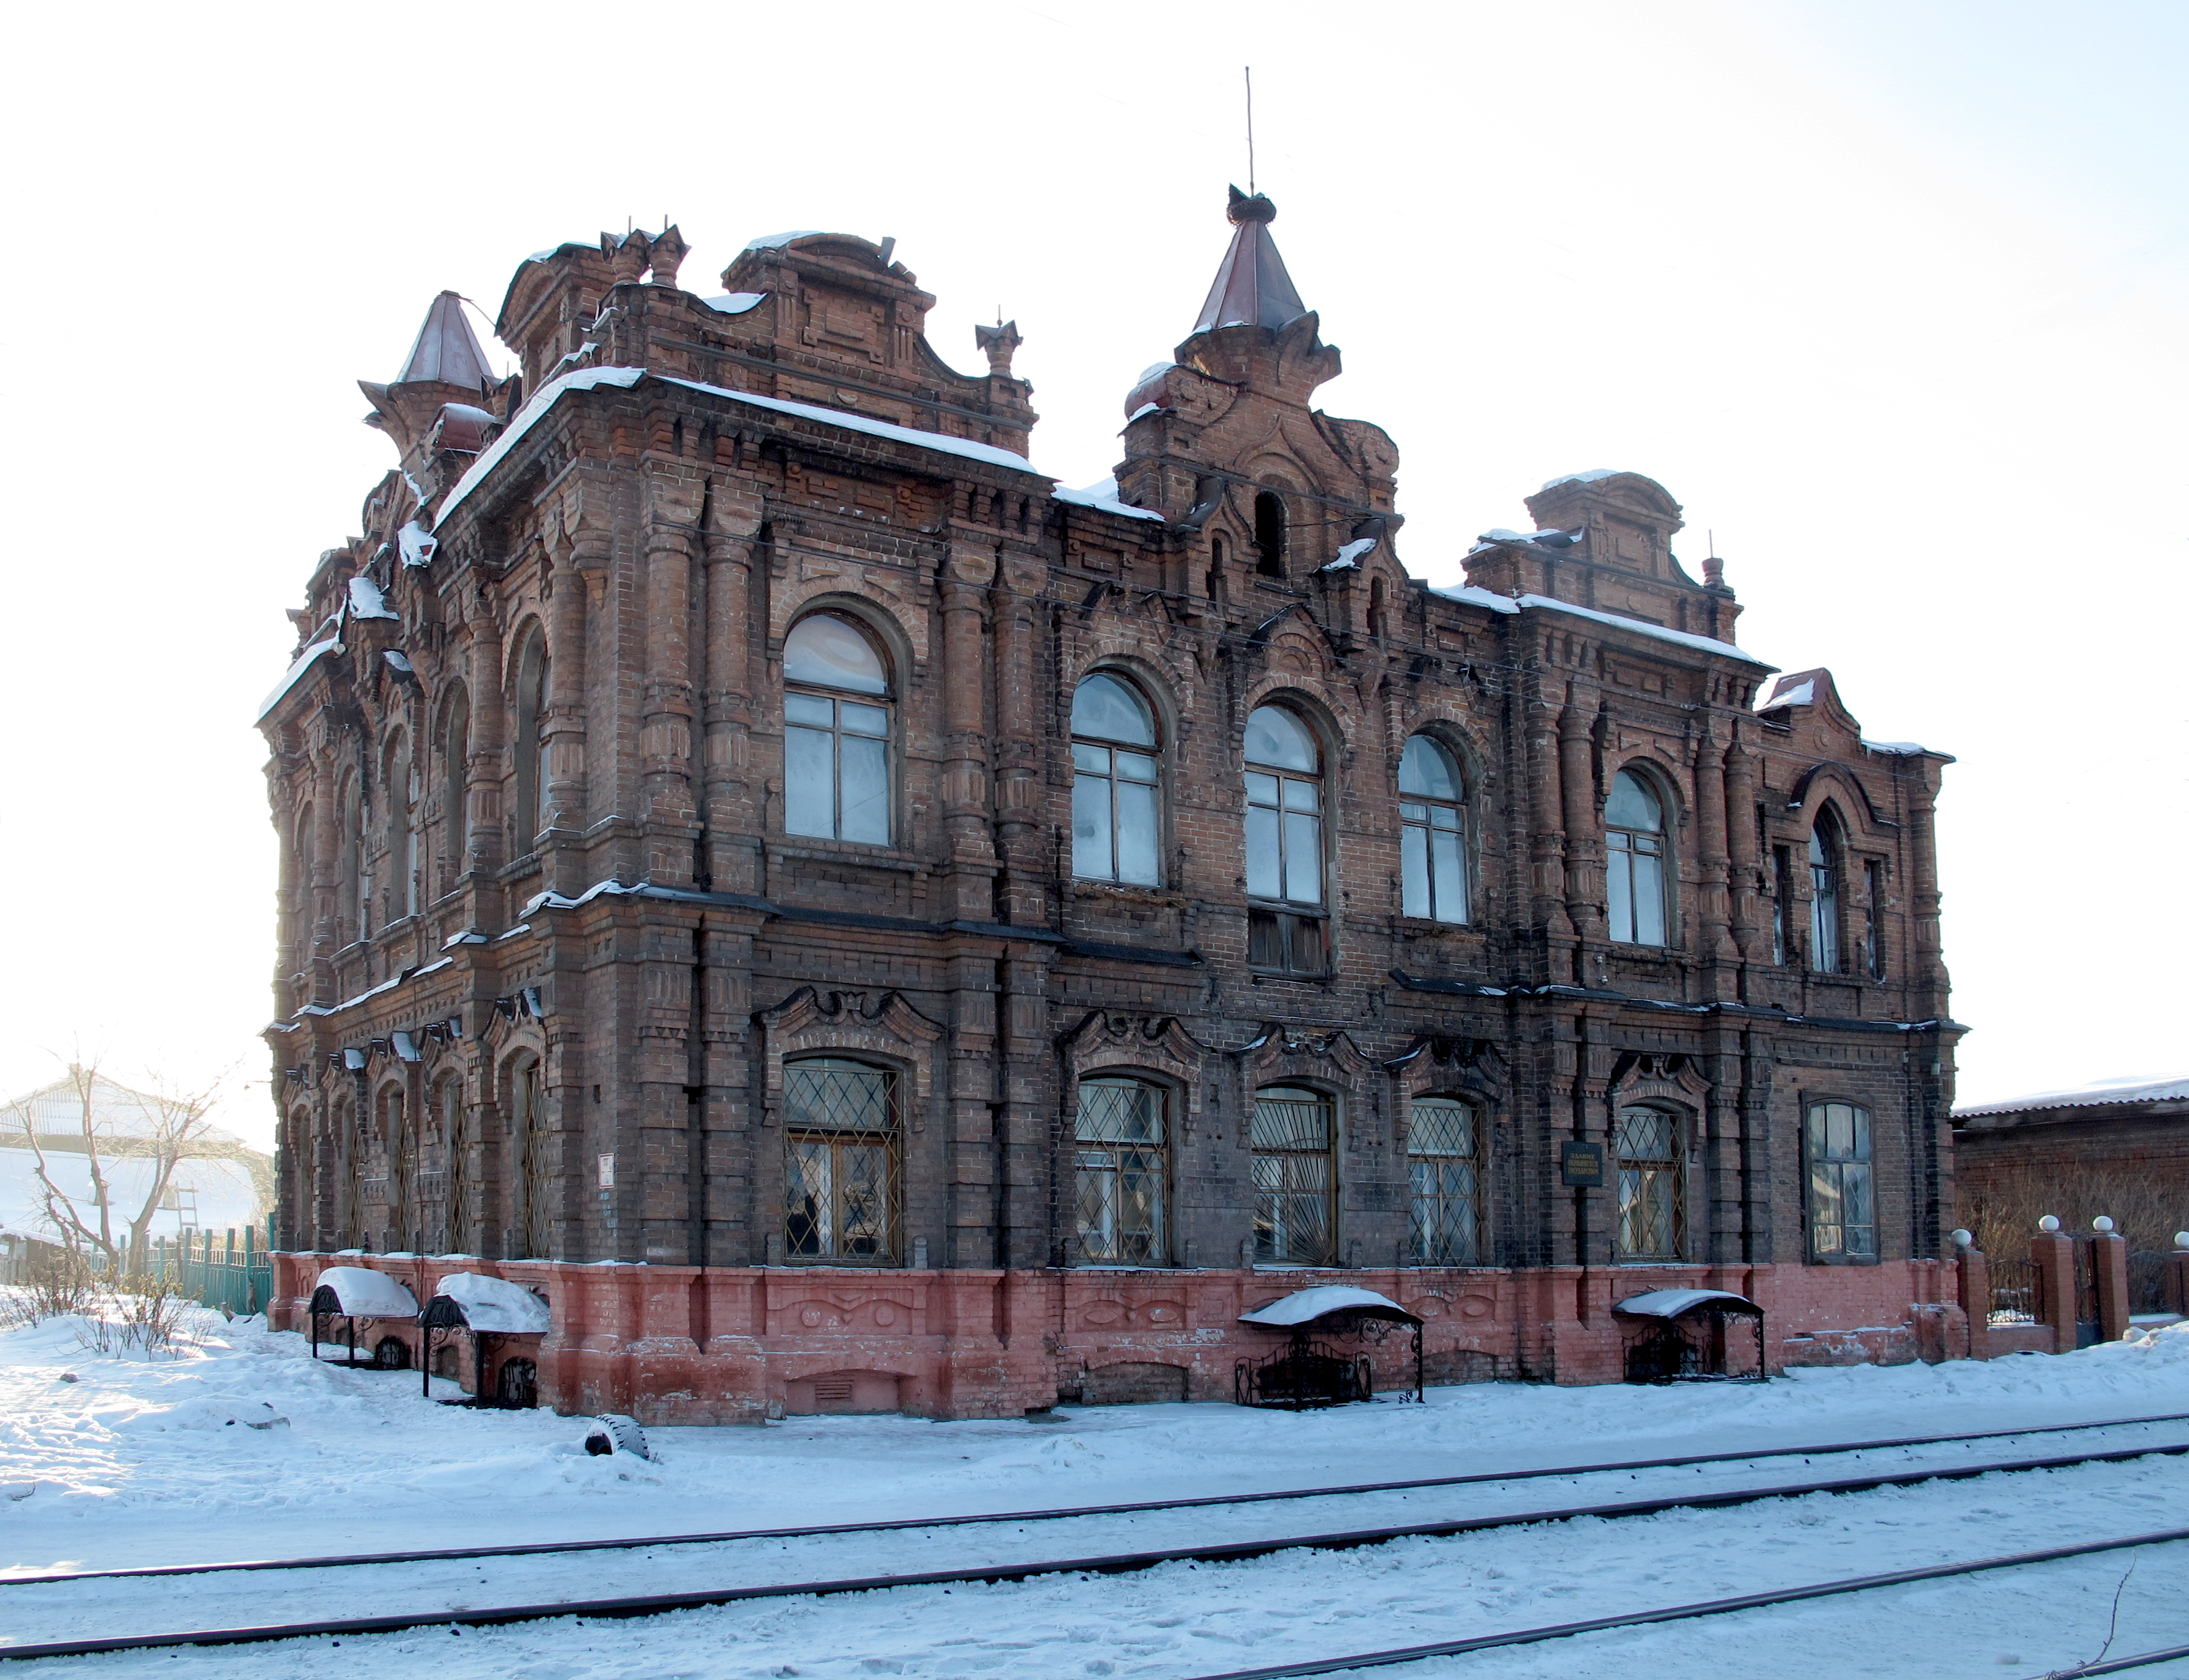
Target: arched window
[(1652, 1184), (399, 785), (529, 1140), (1284, 844), (1293, 1133), (356, 878), (1843, 1213), (1117, 827), (1432, 833), (1122, 1137), (1824, 899), (840, 1179), (1440, 1158), (1634, 861), (532, 695), (455, 1144), (1269, 534), (350, 1167), (395, 1131), (836, 732), (455, 751), (300, 905)]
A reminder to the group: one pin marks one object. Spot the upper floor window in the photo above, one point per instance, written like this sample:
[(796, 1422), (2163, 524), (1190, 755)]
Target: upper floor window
[(840, 1179), (1293, 1133), (1823, 902), (836, 732), (1432, 833), (531, 1202), (532, 695), (1873, 911), (399, 780), (1652, 1184), (1121, 1138), (1116, 821), (1440, 1159), (1284, 843), (1842, 1217), (1634, 861), (455, 746), (1269, 534)]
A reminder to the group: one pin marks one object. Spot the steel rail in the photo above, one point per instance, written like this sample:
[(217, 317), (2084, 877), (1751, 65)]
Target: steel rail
[(1747, 1601), (1120, 1563), (2118, 1664), (538, 1548)]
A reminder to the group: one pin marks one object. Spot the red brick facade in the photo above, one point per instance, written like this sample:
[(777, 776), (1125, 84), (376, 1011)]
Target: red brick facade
[(550, 941)]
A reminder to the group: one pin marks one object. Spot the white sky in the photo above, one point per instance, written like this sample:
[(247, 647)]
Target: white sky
[(1890, 297)]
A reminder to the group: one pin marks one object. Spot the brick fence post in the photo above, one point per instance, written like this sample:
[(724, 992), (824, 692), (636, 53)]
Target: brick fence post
[(1973, 1289), (2109, 1260), (2052, 1258)]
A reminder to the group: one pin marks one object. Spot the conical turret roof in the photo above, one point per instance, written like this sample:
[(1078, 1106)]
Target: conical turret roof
[(446, 351), (1252, 288)]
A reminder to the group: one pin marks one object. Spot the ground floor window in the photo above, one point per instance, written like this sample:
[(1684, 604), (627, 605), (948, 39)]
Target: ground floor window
[(1440, 1158), (1842, 1217), (840, 1177), (1121, 1137), (1647, 1142), (1293, 1131)]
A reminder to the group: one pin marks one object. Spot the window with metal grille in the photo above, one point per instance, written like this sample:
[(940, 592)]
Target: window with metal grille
[(1440, 1158), (1292, 1133), (1634, 861), (1284, 844), (1651, 1185), (1122, 1137), (1842, 1215), (1432, 833), (840, 1177), (456, 1142), (1116, 820), (532, 1193), (836, 732)]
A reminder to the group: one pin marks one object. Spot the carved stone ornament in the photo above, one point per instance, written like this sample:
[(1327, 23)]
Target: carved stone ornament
[(885, 1026), (1638, 1075)]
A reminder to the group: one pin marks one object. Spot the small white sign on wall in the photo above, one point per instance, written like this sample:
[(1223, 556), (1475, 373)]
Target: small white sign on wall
[(608, 1172)]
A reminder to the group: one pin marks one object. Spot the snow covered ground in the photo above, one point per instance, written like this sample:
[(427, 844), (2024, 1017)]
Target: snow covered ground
[(137, 1462)]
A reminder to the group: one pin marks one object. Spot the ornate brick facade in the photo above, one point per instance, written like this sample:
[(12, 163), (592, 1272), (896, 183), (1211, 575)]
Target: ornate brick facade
[(587, 859)]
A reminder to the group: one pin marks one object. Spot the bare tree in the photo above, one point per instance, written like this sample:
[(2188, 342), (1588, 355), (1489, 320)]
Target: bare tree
[(93, 1118)]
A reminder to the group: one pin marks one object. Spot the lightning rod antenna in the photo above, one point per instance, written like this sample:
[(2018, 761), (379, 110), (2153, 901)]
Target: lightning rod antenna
[(1250, 127)]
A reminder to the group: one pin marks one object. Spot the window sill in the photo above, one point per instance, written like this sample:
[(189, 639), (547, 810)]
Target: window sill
[(1843, 1259), (867, 852), (1126, 891), (1259, 975)]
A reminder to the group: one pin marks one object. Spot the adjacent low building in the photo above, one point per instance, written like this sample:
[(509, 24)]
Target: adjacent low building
[(855, 924)]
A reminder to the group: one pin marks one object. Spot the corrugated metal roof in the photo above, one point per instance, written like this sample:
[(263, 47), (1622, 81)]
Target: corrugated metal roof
[(2099, 1093)]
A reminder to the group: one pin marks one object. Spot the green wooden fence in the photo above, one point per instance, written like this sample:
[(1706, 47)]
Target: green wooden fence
[(223, 1269)]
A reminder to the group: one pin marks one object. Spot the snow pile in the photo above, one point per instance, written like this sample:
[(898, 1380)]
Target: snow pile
[(366, 1293), (367, 600), (496, 1305)]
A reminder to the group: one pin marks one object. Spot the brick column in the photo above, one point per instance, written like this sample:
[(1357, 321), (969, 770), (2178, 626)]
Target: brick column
[(2109, 1258), (2177, 1275), (2052, 1258), (1974, 1294)]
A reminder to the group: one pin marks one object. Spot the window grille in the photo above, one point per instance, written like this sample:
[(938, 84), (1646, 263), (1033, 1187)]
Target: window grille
[(840, 1189), (532, 1187), (1115, 823), (455, 1131), (1432, 833), (1843, 1213), (1634, 861), (1651, 1217), (1440, 1158), (835, 744), (1122, 1173), (1292, 1133)]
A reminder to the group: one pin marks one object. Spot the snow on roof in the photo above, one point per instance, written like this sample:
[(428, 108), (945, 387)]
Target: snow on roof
[(1103, 494), (290, 677), (1144, 408), (417, 542), (1594, 475), (1906, 749), (1473, 597), (583, 379), (776, 241), (1304, 1307), (496, 1304), (1349, 555), (366, 601), (1672, 1303), (365, 1294), (2134, 1088), (874, 428), (1801, 694), (734, 303), (398, 661)]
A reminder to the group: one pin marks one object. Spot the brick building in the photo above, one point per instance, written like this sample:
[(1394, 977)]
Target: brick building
[(855, 924)]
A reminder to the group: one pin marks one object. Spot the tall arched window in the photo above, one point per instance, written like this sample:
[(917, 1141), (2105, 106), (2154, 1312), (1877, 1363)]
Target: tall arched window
[(457, 1145), (529, 1140), (1122, 1138), (402, 1156), (840, 1176), (1294, 1132), (356, 879), (399, 795), (836, 732), (349, 1168), (1269, 534), (1117, 828), (301, 907), (1824, 899), (532, 742), (1440, 1159), (1634, 861), (1432, 833), (1284, 844), (455, 750), (1652, 1184)]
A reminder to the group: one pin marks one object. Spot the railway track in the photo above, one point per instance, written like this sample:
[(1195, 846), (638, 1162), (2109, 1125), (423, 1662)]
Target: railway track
[(1114, 1563)]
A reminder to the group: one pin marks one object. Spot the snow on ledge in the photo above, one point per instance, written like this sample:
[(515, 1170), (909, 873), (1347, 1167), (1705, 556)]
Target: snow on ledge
[(496, 1306), (418, 543), (1349, 557), (366, 601), (1103, 494), (1801, 694), (874, 428), (583, 379), (776, 241), (1642, 627), (365, 1294), (734, 303), (1899, 749), (303, 662), (1595, 475)]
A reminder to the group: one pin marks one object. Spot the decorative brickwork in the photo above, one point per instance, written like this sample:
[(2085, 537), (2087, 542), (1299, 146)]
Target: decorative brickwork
[(581, 850)]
